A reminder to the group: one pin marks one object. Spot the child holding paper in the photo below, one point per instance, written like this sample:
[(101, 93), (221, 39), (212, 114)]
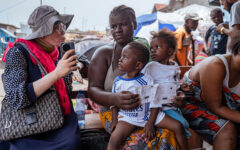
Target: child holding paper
[(133, 59)]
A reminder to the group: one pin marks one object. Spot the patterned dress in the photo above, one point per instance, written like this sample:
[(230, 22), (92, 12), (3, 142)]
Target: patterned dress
[(164, 140), (200, 119)]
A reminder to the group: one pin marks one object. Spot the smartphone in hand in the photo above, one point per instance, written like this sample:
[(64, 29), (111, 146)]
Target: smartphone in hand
[(67, 46)]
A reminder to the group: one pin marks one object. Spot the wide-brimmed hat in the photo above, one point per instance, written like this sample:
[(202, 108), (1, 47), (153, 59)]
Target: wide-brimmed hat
[(192, 16), (42, 20)]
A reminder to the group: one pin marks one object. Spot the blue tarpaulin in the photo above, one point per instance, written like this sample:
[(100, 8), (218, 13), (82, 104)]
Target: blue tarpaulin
[(5, 37), (148, 19)]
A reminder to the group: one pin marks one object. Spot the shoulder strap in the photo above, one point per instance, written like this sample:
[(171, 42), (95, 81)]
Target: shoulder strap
[(224, 60), (183, 36), (40, 66), (42, 69), (113, 53), (114, 49)]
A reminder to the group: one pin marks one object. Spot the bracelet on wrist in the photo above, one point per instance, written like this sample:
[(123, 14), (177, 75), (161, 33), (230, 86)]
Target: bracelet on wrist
[(221, 30)]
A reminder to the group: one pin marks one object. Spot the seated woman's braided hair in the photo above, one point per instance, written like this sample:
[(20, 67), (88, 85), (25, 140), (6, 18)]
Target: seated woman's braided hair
[(122, 9)]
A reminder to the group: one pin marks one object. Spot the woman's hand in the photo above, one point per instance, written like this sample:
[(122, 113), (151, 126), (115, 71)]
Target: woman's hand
[(186, 87), (66, 64), (149, 131), (179, 100), (126, 100)]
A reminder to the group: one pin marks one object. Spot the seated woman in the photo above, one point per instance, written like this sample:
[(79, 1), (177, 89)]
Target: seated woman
[(103, 69), (213, 111)]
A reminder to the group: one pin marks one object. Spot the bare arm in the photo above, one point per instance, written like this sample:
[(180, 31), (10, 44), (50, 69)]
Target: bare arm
[(114, 113), (149, 128), (211, 85), (233, 32), (114, 118), (153, 115), (64, 67), (179, 37), (207, 35), (19, 90), (225, 30), (97, 73), (235, 11), (190, 62)]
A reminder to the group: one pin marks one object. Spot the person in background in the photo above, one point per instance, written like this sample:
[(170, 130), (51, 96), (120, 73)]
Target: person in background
[(213, 110), (232, 6), (102, 71), (218, 41), (147, 114), (184, 38), (25, 83)]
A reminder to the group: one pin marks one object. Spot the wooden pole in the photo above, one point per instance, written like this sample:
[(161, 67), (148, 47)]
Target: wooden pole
[(193, 51)]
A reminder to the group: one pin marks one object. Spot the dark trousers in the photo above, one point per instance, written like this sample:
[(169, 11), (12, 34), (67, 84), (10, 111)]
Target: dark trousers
[(4, 145)]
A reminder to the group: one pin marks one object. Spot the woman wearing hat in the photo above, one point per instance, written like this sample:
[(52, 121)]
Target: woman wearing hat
[(24, 81), (213, 111)]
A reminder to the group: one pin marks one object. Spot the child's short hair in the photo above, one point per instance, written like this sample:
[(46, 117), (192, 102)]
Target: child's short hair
[(168, 36), (140, 51), (123, 9), (216, 10)]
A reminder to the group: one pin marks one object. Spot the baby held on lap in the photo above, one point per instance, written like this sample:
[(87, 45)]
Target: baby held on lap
[(156, 84)]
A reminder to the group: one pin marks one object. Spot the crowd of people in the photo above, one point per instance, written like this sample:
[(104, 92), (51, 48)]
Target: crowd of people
[(144, 104)]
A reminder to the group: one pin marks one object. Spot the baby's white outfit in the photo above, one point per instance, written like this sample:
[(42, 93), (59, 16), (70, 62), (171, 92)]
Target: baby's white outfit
[(140, 115), (167, 76)]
